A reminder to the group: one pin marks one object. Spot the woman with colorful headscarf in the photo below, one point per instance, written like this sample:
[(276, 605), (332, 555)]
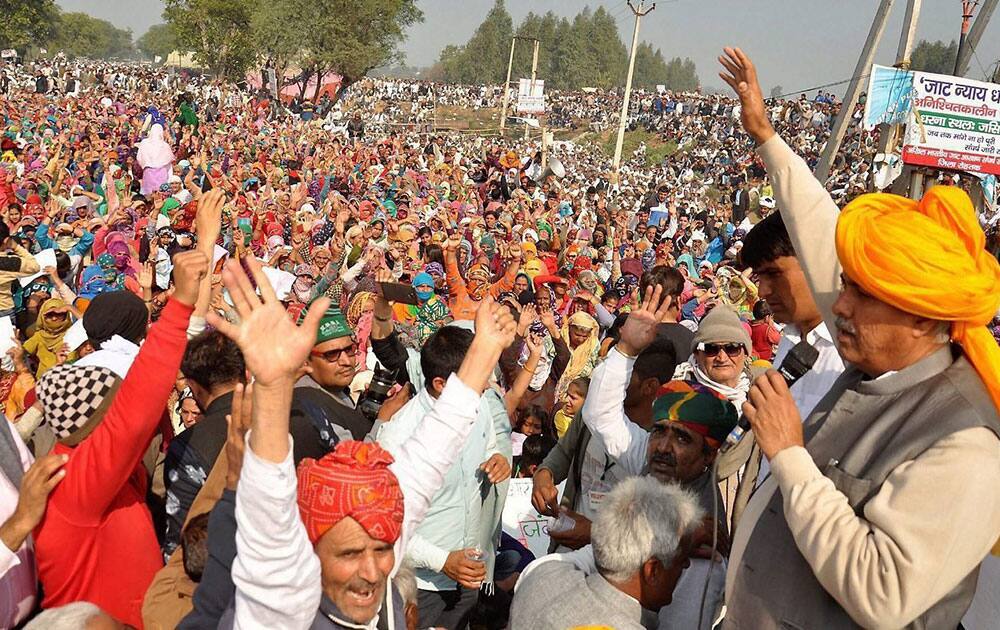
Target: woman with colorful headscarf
[(431, 313), (50, 327), (359, 313), (580, 333)]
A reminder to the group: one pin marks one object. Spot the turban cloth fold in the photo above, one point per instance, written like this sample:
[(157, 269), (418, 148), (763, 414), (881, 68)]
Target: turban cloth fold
[(354, 481), (698, 408), (928, 258)]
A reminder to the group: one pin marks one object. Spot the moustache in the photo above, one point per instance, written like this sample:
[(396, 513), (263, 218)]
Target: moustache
[(667, 459), (845, 325)]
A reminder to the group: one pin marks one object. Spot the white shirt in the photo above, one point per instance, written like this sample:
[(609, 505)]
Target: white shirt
[(814, 384), (276, 572), (18, 579)]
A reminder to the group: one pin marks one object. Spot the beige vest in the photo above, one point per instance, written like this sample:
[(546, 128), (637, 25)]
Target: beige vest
[(857, 435)]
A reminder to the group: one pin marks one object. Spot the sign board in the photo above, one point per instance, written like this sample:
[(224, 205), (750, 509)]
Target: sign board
[(8, 53), (888, 96), (520, 520), (954, 124), (531, 96), (661, 88)]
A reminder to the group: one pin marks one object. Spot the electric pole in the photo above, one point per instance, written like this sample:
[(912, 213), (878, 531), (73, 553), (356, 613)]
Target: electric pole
[(639, 13), (506, 87), (853, 92), (968, 9), (975, 34), (534, 73)]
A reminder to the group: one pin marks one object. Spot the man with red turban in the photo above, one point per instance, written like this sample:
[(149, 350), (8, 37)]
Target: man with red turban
[(328, 564), (882, 505)]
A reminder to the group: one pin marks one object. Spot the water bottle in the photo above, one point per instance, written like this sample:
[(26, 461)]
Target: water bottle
[(564, 523)]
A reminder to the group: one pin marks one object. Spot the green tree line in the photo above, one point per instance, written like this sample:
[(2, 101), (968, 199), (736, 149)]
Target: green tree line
[(36, 24), (585, 51), (311, 37)]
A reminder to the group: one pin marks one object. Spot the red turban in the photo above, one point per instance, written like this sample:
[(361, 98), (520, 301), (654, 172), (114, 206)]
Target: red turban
[(354, 480)]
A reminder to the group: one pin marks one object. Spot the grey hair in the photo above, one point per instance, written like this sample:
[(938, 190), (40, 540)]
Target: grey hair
[(69, 617), (642, 518), (406, 583)]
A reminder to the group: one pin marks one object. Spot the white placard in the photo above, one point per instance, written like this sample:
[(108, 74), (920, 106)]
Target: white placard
[(520, 520), (44, 258), (531, 96), (7, 333), (76, 335)]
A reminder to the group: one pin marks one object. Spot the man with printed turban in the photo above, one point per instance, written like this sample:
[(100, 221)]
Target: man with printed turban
[(882, 503), (690, 424)]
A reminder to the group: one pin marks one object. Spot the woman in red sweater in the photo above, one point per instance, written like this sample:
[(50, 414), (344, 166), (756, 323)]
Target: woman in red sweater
[(97, 542)]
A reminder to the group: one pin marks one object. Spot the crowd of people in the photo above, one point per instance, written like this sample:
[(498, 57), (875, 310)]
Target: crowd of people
[(273, 365)]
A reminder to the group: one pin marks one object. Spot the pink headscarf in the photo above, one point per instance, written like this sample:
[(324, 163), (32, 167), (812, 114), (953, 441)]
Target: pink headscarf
[(154, 152)]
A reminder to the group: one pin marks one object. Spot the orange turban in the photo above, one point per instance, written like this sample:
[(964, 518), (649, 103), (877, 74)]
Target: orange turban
[(353, 480), (928, 258)]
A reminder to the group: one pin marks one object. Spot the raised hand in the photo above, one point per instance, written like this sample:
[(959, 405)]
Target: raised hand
[(262, 318), (640, 327), (742, 77), (146, 275), (494, 325), (535, 345), (208, 221), (528, 316), (237, 423), (189, 268)]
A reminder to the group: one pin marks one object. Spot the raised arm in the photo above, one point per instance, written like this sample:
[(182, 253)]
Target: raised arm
[(276, 573), (422, 460), (103, 462), (806, 207), (604, 412)]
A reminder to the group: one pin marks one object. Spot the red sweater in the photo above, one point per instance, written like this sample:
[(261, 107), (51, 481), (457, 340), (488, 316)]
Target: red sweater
[(97, 542)]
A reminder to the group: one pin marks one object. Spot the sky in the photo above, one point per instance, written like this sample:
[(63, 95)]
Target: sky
[(796, 44)]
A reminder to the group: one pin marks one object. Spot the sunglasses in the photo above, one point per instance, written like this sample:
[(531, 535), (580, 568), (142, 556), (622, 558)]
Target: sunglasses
[(733, 350), (332, 356)]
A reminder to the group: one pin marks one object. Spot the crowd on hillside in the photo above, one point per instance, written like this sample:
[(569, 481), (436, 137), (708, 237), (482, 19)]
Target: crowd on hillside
[(275, 365)]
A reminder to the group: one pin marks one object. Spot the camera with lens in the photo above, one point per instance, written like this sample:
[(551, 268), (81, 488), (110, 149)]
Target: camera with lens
[(377, 392)]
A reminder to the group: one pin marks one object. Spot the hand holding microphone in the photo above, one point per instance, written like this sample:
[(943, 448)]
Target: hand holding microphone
[(770, 409)]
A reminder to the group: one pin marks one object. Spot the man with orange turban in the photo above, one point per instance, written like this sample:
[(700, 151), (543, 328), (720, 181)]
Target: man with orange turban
[(883, 503)]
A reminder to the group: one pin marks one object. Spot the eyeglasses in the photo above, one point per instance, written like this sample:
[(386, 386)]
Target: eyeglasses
[(332, 356), (733, 350)]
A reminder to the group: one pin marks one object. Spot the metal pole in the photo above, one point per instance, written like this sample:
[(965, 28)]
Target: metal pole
[(506, 87), (909, 34), (534, 71), (968, 8), (975, 34), (853, 91), (890, 133), (639, 13)]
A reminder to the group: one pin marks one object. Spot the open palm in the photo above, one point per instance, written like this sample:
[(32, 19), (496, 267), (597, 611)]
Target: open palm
[(273, 347), (640, 326)]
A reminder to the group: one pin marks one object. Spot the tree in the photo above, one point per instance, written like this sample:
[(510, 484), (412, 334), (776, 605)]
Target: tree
[(682, 75), (216, 31), (80, 35), (158, 41), (26, 22), (483, 59), (352, 37), (934, 57), (777, 91)]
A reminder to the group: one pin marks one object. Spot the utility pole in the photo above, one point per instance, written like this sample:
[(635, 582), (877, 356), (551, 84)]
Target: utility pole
[(853, 91), (639, 13), (534, 71), (975, 34), (890, 135), (506, 87), (968, 9)]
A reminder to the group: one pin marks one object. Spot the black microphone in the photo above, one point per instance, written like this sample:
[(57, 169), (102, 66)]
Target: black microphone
[(797, 362)]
